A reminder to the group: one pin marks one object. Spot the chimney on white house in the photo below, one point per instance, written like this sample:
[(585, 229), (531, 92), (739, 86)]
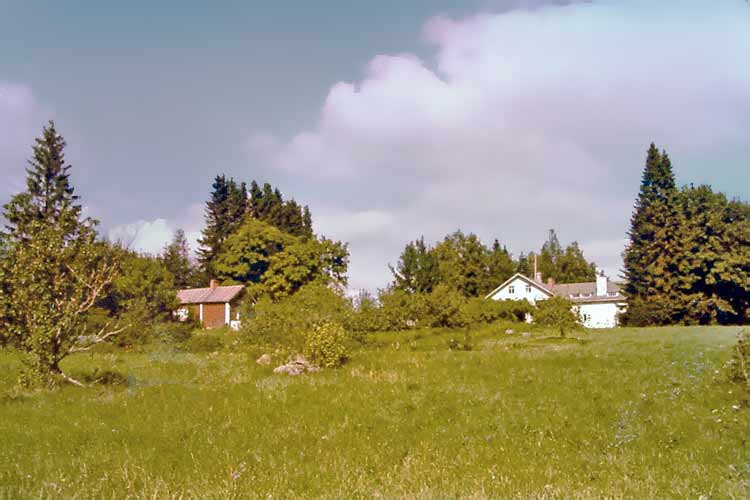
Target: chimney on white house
[(601, 284)]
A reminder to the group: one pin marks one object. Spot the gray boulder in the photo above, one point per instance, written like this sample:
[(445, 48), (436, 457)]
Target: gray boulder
[(296, 366)]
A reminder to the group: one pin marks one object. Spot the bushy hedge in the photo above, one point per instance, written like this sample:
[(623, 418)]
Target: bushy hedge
[(557, 313), (480, 311), (285, 325), (325, 345), (285, 322)]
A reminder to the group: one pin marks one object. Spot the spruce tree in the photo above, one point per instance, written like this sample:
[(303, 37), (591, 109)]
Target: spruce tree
[(549, 256), (176, 258), (217, 223), (237, 205), (500, 266), (49, 197), (307, 222), (648, 259), (255, 200)]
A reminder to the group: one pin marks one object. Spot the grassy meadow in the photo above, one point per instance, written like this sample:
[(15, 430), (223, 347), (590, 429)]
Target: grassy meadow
[(628, 413)]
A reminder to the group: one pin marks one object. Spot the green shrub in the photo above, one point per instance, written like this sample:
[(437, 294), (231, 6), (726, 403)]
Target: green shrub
[(738, 367), (443, 307), (174, 332), (556, 313), (478, 311), (204, 342), (324, 345), (643, 313), (366, 316), (400, 310), (139, 324), (285, 323)]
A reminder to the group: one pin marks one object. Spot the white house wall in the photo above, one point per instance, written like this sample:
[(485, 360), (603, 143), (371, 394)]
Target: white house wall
[(599, 315), (520, 290)]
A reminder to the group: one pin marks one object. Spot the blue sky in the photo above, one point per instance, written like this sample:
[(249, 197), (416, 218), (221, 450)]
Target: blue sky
[(391, 119)]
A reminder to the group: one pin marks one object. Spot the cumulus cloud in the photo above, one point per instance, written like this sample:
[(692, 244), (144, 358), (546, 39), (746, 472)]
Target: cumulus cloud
[(20, 117), (150, 236), (523, 121)]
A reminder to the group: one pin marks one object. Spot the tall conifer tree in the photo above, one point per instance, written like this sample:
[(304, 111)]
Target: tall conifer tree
[(648, 259), (217, 228), (49, 197)]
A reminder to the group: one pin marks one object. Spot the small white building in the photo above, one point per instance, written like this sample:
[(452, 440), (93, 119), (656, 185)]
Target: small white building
[(598, 303)]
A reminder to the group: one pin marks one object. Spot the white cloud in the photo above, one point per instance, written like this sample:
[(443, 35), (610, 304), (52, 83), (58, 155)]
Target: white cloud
[(151, 236), (527, 120)]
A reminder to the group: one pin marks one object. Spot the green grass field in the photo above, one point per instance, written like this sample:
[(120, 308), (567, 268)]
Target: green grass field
[(630, 413)]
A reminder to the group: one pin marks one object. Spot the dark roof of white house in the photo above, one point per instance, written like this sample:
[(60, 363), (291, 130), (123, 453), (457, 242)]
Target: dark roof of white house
[(576, 292), (216, 295), (586, 292)]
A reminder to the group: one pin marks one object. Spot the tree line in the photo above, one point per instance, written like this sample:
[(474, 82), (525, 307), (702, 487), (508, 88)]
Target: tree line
[(464, 263)]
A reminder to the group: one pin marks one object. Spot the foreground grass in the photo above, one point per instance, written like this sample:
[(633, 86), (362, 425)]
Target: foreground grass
[(621, 414)]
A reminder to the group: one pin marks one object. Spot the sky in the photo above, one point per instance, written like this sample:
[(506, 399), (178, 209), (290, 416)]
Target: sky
[(392, 120)]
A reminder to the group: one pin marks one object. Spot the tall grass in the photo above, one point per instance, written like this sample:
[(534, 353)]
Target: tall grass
[(629, 413)]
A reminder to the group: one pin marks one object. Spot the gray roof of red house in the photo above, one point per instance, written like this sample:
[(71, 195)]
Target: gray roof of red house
[(219, 294)]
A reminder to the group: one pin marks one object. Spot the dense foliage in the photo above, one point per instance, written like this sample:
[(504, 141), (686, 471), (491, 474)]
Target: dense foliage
[(230, 207), (176, 259), (567, 265), (557, 313), (225, 211), (278, 263), (688, 259), (325, 345), (285, 323), (465, 264)]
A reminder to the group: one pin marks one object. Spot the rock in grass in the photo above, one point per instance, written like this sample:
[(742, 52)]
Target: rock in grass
[(297, 366), (509, 331), (525, 335), (264, 360)]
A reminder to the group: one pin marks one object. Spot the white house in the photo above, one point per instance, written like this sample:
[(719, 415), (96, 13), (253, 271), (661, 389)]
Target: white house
[(598, 303)]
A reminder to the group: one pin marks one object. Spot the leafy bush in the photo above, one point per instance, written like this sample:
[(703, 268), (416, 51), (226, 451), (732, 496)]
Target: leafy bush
[(324, 345), (204, 342), (642, 313), (479, 311), (367, 315), (443, 307), (557, 313), (174, 332), (738, 367), (399, 310), (285, 323), (139, 323)]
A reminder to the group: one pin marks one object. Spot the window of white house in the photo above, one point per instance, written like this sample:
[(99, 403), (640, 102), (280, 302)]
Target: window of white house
[(528, 288), (511, 289)]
